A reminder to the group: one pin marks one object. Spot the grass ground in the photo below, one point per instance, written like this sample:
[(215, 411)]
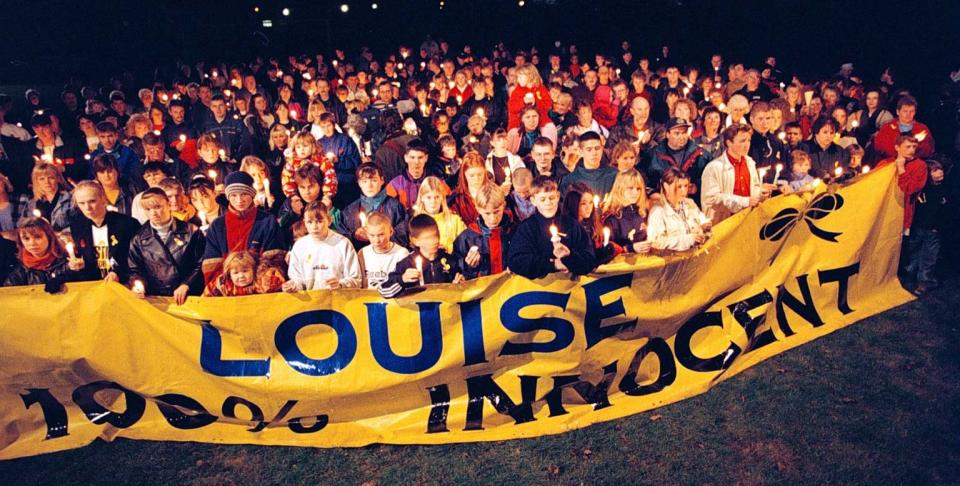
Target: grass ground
[(875, 403)]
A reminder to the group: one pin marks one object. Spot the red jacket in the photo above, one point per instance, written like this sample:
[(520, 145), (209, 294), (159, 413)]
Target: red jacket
[(911, 182), (887, 137), (542, 101)]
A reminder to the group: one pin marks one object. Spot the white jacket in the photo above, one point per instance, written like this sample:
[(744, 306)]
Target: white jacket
[(674, 229), (717, 197), (312, 262)]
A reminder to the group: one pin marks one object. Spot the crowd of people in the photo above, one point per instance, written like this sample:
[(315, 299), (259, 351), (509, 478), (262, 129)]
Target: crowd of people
[(430, 166)]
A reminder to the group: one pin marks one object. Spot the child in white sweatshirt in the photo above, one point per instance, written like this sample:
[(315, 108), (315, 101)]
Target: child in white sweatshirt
[(322, 259)]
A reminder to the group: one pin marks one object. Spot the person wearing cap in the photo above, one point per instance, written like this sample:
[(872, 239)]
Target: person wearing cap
[(243, 227), (677, 151)]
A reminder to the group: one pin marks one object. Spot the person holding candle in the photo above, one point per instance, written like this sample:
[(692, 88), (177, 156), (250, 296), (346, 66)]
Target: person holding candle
[(529, 91), (549, 242), (49, 197), (203, 197), (431, 200), (381, 256), (766, 149), (306, 152), (825, 154), (866, 122), (41, 258), (625, 212), (267, 193), (165, 253), (885, 141), (102, 237), (583, 206), (243, 227), (212, 165), (485, 243), (127, 162), (731, 182), (428, 264), (637, 127), (477, 137), (323, 259), (48, 145), (710, 139), (500, 162), (675, 222), (179, 135), (373, 199)]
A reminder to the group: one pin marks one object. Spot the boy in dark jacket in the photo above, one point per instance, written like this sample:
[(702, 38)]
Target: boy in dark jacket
[(165, 254), (548, 242), (932, 214), (483, 247), (429, 264), (373, 199)]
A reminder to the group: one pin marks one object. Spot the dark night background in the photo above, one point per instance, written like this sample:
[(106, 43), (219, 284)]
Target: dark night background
[(45, 40)]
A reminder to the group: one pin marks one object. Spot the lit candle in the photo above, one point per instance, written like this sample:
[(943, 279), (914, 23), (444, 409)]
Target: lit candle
[(723, 106), (782, 85), (138, 287), (481, 113), (203, 218), (423, 108), (183, 138), (506, 172), (618, 72), (451, 84), (306, 76), (422, 65), (776, 175), (631, 233), (855, 123), (400, 65), (459, 100), (266, 186), (866, 169), (227, 93), (375, 92), (816, 182), (279, 73), (212, 174), (70, 250), (782, 136), (606, 236), (596, 202), (363, 220), (330, 156), (293, 114), (554, 234), (763, 173), (37, 213), (686, 91), (334, 63), (223, 154), (433, 85), (419, 261), (111, 207), (838, 172), (473, 139), (164, 97), (310, 93), (921, 136)]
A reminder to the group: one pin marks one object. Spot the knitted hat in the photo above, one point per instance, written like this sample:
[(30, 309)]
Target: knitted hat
[(239, 182)]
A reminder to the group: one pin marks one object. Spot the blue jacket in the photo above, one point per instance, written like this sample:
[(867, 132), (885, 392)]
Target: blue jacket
[(127, 161)]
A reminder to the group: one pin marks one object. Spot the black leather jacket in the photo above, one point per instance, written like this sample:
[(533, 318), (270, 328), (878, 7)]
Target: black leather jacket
[(165, 265)]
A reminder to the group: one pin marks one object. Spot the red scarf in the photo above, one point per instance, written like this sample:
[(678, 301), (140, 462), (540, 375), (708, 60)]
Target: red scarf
[(496, 251), (741, 177), (37, 263), (238, 228)]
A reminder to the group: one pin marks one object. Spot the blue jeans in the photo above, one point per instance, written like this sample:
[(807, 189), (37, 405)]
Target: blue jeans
[(924, 249)]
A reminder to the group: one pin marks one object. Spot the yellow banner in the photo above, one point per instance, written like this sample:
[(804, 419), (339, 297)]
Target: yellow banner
[(496, 358)]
